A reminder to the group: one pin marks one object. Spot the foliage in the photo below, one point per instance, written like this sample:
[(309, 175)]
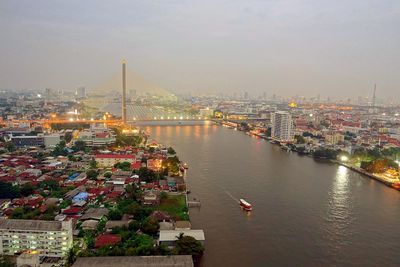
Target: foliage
[(187, 245), (150, 226), (148, 175), (171, 164), (6, 262), (299, 139), (326, 153), (27, 189), (92, 174), (115, 215), (107, 174), (8, 190), (59, 150), (379, 165), (79, 146), (25, 213), (125, 166), (50, 184), (93, 164), (171, 151), (10, 146), (124, 140)]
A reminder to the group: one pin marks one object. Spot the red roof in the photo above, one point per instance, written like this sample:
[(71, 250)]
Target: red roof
[(136, 165), (101, 135), (73, 210), (106, 240), (114, 156)]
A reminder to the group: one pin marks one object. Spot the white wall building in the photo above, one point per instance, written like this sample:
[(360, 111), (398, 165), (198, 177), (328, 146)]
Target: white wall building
[(282, 126), (47, 238)]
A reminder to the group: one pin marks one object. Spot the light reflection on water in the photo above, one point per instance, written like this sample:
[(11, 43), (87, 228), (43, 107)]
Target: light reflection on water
[(305, 213)]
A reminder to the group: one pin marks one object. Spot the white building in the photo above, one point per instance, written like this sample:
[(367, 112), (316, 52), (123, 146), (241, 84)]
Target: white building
[(282, 126), (47, 238), (169, 237)]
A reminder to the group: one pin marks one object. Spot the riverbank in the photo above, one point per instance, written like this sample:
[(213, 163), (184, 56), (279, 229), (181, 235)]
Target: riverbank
[(333, 211), (392, 183)]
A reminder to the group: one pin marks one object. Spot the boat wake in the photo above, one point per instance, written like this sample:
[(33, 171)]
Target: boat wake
[(229, 194)]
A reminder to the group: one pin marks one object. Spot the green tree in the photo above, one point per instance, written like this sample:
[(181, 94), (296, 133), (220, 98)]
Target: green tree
[(6, 262), (171, 151), (79, 146), (93, 164), (299, 139), (27, 189), (115, 215), (10, 146), (92, 174), (150, 226), (7, 190), (59, 149), (107, 174), (125, 166), (187, 245)]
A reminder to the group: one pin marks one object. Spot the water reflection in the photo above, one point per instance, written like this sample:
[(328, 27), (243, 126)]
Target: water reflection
[(339, 210)]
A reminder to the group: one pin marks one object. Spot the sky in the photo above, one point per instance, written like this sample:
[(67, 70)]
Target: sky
[(299, 47)]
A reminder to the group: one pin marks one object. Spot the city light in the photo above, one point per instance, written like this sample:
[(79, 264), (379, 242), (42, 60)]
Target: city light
[(344, 158)]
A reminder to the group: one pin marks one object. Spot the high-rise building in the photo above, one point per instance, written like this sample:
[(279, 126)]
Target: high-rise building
[(47, 238), (282, 126), (80, 92), (124, 91)]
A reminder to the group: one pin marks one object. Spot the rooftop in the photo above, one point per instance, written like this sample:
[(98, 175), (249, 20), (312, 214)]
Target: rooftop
[(133, 261), (30, 225), (172, 235)]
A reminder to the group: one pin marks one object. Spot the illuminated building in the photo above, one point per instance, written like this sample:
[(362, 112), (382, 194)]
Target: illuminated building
[(47, 238), (109, 160), (282, 126)]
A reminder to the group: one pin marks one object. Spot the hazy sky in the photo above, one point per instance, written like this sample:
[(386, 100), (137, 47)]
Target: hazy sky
[(336, 48)]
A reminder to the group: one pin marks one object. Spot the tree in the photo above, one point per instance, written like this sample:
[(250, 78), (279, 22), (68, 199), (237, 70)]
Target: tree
[(187, 245), (93, 164), (299, 139), (380, 165), (125, 166), (150, 226), (171, 151), (92, 174), (71, 256), (115, 215), (6, 262), (107, 174), (147, 175), (10, 146), (79, 146), (326, 153), (27, 189), (59, 149), (8, 190)]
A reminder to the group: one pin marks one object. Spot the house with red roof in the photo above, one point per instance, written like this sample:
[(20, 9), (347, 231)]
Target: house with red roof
[(106, 240)]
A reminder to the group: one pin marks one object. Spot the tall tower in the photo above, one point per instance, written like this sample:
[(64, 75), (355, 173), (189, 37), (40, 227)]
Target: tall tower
[(374, 98), (124, 91)]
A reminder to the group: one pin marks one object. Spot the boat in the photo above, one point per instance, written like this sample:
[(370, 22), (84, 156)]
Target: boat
[(396, 186), (245, 205)]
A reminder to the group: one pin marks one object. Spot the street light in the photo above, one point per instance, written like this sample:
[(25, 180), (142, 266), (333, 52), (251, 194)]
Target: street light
[(344, 158)]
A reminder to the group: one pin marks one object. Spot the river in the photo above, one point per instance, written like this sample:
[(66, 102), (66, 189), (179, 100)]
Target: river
[(305, 213)]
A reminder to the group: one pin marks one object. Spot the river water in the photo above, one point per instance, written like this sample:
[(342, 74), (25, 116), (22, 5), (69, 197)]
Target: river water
[(306, 213)]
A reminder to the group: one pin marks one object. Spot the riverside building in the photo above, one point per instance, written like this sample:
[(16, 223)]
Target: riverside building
[(46, 238), (282, 126)]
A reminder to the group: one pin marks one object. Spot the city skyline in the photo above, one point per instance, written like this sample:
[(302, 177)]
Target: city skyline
[(289, 47)]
